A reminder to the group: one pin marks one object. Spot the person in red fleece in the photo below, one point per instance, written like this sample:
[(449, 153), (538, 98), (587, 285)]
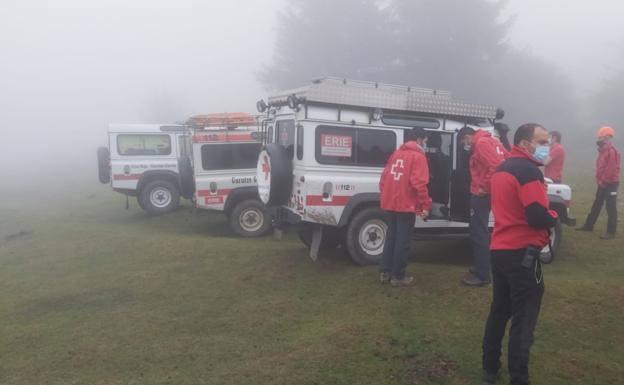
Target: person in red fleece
[(404, 194), (487, 153), (554, 163), (608, 179), (521, 230)]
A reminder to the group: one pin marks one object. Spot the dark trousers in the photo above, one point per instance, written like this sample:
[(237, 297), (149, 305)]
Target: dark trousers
[(396, 247), (518, 295), (480, 235), (604, 194)]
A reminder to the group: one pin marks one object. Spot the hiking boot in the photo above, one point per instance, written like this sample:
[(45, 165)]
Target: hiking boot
[(405, 281), (384, 277), (584, 228), (607, 236), (489, 378), (473, 280)]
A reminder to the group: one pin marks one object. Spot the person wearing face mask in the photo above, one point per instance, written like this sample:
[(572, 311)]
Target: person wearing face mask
[(554, 163), (403, 195), (608, 179), (486, 153), (521, 230)]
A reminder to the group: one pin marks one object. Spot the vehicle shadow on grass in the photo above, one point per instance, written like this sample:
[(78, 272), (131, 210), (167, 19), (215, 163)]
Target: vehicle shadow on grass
[(186, 221), (449, 253), (455, 252)]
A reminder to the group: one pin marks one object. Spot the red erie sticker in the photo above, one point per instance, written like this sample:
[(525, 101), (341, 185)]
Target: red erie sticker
[(336, 145), (213, 200)]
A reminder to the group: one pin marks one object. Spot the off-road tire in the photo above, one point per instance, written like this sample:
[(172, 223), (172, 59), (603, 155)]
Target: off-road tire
[(556, 233), (332, 236), (370, 224), (187, 184), (104, 171), (281, 174), (249, 219), (159, 197)]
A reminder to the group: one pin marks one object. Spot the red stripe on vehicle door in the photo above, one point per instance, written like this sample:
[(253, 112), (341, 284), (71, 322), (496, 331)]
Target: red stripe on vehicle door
[(336, 200), (126, 176), (208, 193)]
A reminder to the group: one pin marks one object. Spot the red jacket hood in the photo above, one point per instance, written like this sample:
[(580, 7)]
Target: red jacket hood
[(521, 152), (413, 146), (480, 134)]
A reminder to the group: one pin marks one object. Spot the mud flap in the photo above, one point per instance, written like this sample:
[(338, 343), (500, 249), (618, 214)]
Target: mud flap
[(315, 246), (278, 234)]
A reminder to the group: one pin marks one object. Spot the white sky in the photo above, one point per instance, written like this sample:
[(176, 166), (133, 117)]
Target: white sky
[(72, 66), (579, 36)]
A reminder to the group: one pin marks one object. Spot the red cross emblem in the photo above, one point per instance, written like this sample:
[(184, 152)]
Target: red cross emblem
[(266, 169)]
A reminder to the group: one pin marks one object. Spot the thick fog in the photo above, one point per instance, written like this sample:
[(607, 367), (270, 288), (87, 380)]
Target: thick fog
[(70, 67)]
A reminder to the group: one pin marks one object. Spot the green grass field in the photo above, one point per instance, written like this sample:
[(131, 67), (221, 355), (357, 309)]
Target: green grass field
[(94, 294)]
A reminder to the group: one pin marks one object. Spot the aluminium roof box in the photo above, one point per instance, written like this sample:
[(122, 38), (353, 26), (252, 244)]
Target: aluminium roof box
[(346, 92)]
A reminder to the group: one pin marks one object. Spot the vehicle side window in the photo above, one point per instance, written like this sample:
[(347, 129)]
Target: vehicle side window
[(285, 130), (299, 142), (355, 147), (374, 147), (143, 144), (410, 121), (229, 156)]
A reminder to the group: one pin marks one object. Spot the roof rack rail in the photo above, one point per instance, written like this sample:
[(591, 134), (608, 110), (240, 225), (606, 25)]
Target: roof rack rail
[(358, 93), (224, 119)]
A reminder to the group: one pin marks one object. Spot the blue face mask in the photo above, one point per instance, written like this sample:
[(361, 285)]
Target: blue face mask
[(541, 153)]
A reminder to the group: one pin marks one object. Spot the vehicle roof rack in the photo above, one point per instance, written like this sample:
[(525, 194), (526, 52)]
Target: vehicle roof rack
[(357, 93)]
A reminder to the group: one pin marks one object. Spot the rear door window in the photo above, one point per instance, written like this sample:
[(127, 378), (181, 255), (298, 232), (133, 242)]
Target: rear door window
[(143, 144), (285, 135)]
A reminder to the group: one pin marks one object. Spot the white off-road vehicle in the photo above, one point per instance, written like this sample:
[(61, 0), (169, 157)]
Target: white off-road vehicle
[(221, 171), (327, 144), (211, 159), (141, 160)]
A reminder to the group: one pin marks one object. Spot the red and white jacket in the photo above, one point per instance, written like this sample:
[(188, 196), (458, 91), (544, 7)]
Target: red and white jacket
[(522, 215), (607, 165), (487, 154), (403, 183)]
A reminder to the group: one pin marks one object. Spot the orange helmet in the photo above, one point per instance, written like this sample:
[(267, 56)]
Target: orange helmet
[(605, 131)]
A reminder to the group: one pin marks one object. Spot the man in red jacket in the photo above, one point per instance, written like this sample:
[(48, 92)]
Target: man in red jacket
[(523, 219), (608, 179), (554, 163), (404, 194), (487, 153)]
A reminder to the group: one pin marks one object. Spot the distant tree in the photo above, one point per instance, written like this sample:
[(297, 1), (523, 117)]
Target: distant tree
[(326, 38), (457, 45), (448, 44), (532, 90)]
